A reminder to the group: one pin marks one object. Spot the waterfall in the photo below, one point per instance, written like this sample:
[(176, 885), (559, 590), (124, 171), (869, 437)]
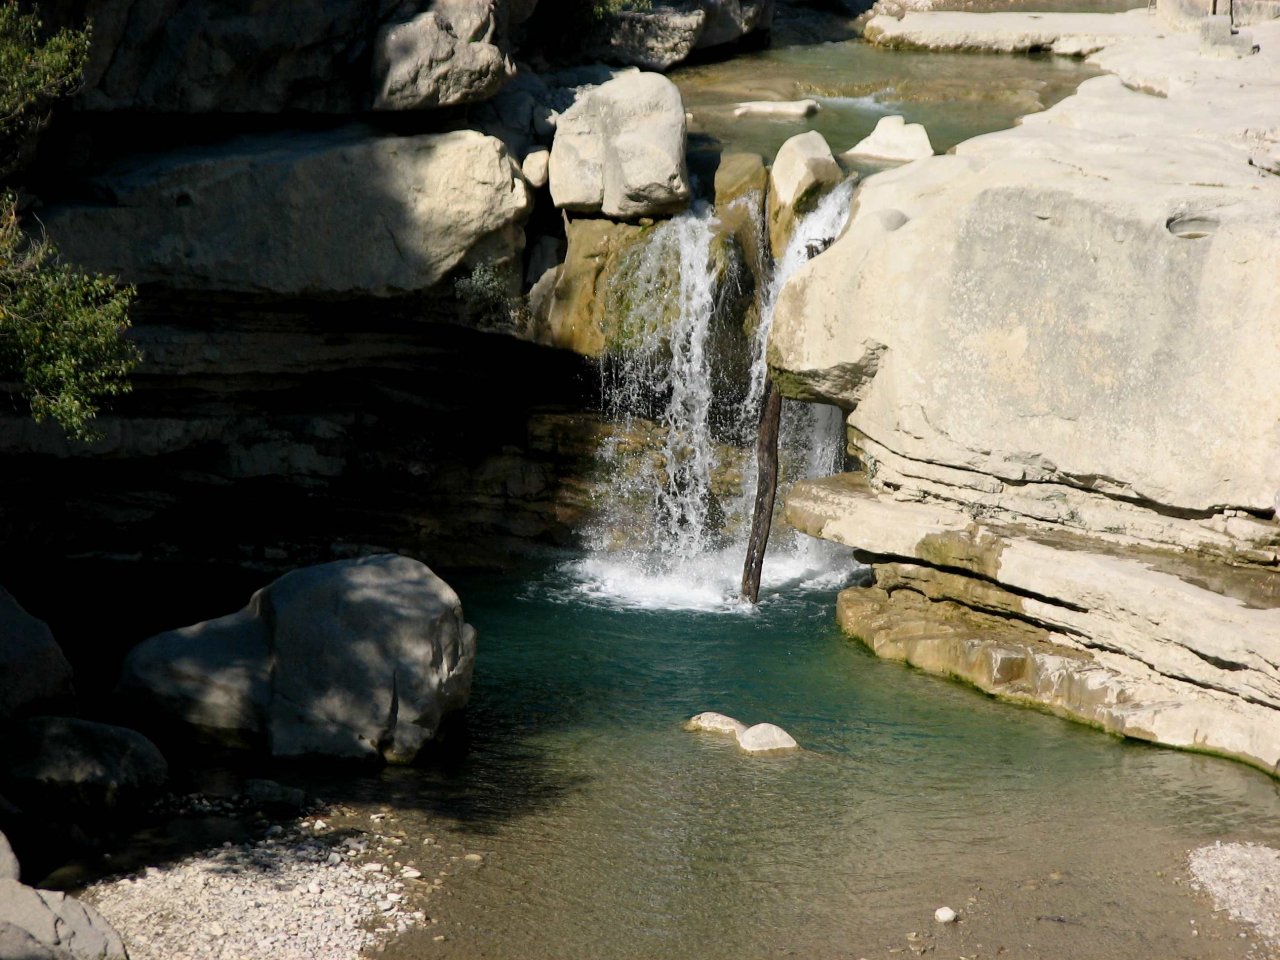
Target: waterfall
[(675, 503)]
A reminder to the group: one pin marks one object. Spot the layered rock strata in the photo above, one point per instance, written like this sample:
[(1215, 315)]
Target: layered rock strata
[(1057, 347)]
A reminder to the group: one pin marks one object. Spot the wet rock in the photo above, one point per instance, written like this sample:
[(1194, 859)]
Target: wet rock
[(268, 793), (445, 56), (803, 169), (893, 139), (620, 150), (777, 108), (39, 924), (716, 723), (664, 35), (56, 764), (339, 212), (766, 738), (33, 668)]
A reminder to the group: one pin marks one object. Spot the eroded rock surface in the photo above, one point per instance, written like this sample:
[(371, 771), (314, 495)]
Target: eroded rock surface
[(803, 169), (620, 150), (1055, 347), (304, 214), (667, 33)]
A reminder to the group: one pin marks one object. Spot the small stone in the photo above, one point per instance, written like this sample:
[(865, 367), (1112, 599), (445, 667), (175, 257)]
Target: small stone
[(372, 868), (944, 915), (409, 873), (275, 830), (319, 825), (473, 857), (334, 859)]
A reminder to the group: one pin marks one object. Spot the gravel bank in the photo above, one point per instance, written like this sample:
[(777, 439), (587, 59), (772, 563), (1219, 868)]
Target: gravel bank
[(1244, 880), (321, 888)]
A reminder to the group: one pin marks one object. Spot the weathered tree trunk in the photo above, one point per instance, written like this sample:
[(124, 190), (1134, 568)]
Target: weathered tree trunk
[(766, 490)]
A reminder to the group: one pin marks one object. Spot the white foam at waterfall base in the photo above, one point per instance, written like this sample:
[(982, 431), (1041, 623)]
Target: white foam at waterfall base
[(682, 557)]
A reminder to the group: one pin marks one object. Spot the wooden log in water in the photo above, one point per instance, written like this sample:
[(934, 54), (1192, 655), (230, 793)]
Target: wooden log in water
[(766, 491)]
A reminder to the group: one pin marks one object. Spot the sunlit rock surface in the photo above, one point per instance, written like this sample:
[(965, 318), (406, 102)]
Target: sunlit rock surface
[(1057, 348)]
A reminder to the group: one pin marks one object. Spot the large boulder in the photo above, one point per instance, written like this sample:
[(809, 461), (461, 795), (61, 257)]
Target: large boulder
[(803, 169), (32, 665), (63, 764), (178, 56), (343, 212), (214, 676), (445, 56), (357, 658), (46, 925), (620, 150)]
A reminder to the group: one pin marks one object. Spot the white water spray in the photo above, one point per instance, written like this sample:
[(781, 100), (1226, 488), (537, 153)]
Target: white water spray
[(674, 520)]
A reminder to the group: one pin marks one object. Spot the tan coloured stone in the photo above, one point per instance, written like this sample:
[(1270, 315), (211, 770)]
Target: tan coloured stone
[(346, 211), (619, 150), (803, 169)]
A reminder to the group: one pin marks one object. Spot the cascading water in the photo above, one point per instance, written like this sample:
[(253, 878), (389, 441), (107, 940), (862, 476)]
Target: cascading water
[(681, 474)]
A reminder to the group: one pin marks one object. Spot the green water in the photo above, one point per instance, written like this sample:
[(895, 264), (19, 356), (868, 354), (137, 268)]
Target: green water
[(609, 831), (956, 96)]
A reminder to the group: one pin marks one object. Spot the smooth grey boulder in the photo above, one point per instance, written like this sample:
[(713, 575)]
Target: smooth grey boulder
[(64, 764), (766, 738), (212, 677), (32, 665), (40, 924), (368, 656), (9, 868), (347, 211), (357, 658), (444, 56), (620, 150)]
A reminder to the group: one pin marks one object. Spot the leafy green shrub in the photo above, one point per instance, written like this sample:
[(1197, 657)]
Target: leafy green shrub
[(61, 331)]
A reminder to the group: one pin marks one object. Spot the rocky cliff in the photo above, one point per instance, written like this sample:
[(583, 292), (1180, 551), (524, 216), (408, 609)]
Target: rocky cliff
[(1058, 348)]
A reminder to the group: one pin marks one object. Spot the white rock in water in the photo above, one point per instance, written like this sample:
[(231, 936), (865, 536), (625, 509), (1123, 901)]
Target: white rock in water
[(716, 723), (893, 139), (777, 108), (766, 738), (944, 915)]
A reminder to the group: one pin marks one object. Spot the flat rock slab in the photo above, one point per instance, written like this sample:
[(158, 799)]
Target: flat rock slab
[(1069, 34)]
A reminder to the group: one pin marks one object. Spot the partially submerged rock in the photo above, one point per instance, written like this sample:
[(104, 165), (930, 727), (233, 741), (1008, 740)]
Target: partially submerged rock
[(620, 150), (360, 658), (766, 738), (777, 108), (761, 738), (46, 925), (715, 723), (893, 139)]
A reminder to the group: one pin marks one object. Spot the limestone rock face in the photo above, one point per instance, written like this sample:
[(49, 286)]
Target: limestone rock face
[(45, 925), (803, 168), (444, 56), (356, 658), (620, 150), (666, 34), (211, 677), (62, 763), (894, 139), (174, 56), (32, 665), (1025, 335), (342, 212)]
